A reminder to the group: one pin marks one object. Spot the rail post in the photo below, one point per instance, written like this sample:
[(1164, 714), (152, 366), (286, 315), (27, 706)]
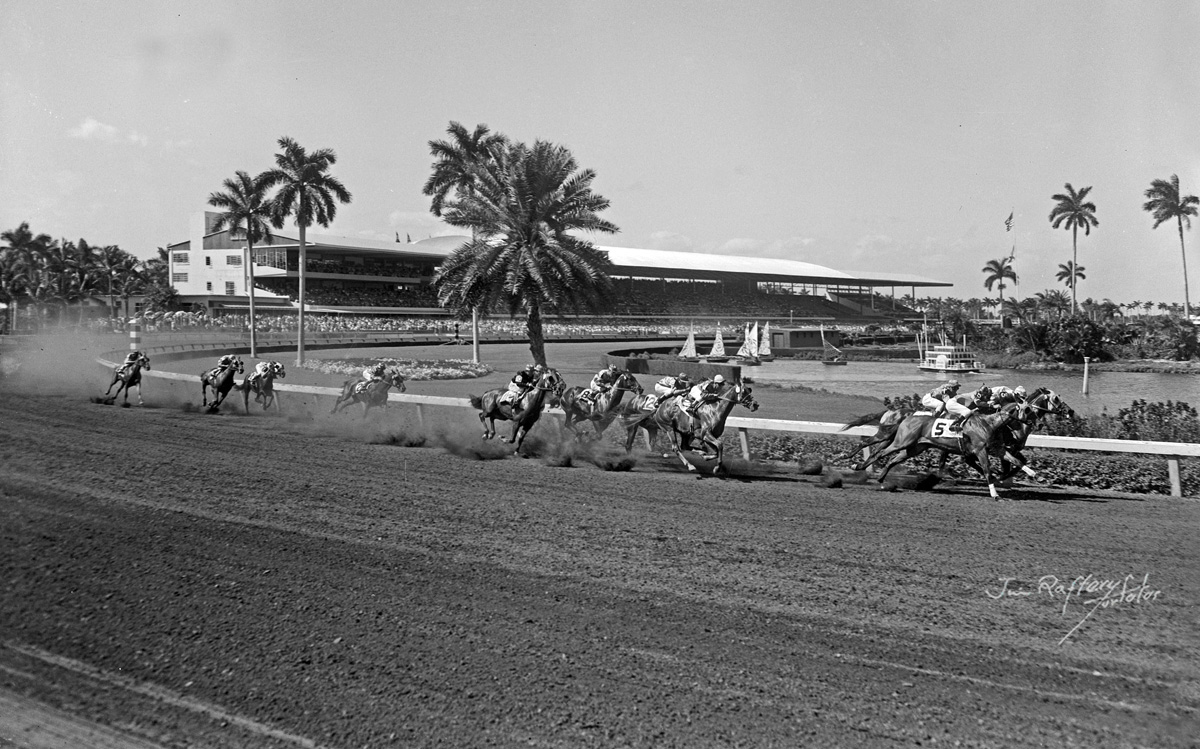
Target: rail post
[(744, 439), (420, 416), (1173, 474)]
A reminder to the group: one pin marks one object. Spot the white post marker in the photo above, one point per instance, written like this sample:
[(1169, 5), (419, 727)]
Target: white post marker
[(1086, 359), (135, 335)]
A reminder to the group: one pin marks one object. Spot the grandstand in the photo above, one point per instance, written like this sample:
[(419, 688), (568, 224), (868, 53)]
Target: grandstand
[(359, 276)]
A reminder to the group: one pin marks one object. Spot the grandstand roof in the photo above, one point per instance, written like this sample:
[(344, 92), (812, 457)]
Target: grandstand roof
[(630, 261)]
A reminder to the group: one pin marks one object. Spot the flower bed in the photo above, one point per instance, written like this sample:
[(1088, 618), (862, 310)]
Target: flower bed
[(411, 369)]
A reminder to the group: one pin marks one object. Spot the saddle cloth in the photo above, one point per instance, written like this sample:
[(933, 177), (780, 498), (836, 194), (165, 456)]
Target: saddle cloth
[(361, 387), (944, 426), (508, 398), (651, 403)]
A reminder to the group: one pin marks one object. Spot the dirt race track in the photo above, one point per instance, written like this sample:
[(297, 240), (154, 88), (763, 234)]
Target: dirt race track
[(186, 580)]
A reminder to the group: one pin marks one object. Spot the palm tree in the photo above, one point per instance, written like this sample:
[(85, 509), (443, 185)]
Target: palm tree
[(455, 162), (1166, 203), (1071, 274), (308, 193), (997, 271), (525, 208), (247, 211), (27, 255), (1072, 212), (110, 259), (454, 174)]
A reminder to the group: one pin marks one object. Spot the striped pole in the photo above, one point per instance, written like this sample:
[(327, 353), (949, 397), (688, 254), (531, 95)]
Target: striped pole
[(135, 336)]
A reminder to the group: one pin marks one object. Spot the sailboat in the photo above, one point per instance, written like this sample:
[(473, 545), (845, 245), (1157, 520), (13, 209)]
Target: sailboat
[(748, 353), (718, 350), (764, 347), (832, 354), (688, 352)]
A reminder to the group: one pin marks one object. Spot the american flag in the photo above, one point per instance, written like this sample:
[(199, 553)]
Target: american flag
[(1008, 222)]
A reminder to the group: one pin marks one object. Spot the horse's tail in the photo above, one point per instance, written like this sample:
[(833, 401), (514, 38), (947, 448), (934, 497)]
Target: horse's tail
[(476, 401), (862, 420)]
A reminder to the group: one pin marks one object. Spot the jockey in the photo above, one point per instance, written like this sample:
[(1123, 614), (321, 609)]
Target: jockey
[(703, 392), (1002, 396), (224, 363), (943, 399), (669, 386), (260, 371), (601, 383), (130, 359), (522, 382), (374, 373)]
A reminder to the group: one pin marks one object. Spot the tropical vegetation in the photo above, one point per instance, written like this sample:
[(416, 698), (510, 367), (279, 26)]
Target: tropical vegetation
[(1073, 211), (44, 279), (1165, 203), (526, 206)]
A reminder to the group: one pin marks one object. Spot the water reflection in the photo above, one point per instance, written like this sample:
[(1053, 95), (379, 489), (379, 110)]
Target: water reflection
[(1109, 391)]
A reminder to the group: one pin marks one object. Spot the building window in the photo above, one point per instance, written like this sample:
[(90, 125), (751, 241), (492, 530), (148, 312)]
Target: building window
[(207, 260), (208, 287), (178, 278), (229, 288), (181, 257), (233, 259)]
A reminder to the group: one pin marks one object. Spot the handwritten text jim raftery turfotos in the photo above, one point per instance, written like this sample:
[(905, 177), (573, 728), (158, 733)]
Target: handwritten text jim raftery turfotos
[(1089, 592)]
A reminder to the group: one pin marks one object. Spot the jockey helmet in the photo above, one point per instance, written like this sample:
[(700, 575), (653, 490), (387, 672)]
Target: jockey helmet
[(682, 376), (718, 379), (952, 384), (983, 392), (1019, 390)]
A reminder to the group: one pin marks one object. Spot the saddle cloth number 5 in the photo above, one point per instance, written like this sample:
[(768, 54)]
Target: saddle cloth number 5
[(941, 428)]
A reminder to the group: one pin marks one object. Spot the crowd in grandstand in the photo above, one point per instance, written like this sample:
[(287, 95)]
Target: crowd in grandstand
[(399, 270)]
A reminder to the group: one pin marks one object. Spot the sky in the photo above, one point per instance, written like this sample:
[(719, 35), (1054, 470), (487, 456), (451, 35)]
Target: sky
[(891, 137)]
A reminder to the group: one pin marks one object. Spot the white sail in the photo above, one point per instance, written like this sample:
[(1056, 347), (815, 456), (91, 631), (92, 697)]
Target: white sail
[(764, 348), (689, 347), (718, 348), (749, 349)]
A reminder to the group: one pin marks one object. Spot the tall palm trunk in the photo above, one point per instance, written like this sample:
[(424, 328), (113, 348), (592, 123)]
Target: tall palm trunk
[(1187, 303), (537, 340), (250, 289), (300, 324), (1074, 267)]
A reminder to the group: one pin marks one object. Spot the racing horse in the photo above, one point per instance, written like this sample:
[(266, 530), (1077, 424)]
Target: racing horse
[(263, 387), (525, 416), (980, 435), (1039, 404), (603, 410), (373, 394), (128, 376), (221, 380), (706, 427)]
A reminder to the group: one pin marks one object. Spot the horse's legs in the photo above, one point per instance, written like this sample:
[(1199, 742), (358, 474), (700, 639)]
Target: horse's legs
[(942, 463), (483, 422), (675, 443), (909, 451)]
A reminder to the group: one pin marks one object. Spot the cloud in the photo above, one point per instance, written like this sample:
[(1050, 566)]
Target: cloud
[(93, 129), (669, 240)]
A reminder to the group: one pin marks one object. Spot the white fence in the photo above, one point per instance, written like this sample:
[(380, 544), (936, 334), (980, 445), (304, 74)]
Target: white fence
[(1172, 451)]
